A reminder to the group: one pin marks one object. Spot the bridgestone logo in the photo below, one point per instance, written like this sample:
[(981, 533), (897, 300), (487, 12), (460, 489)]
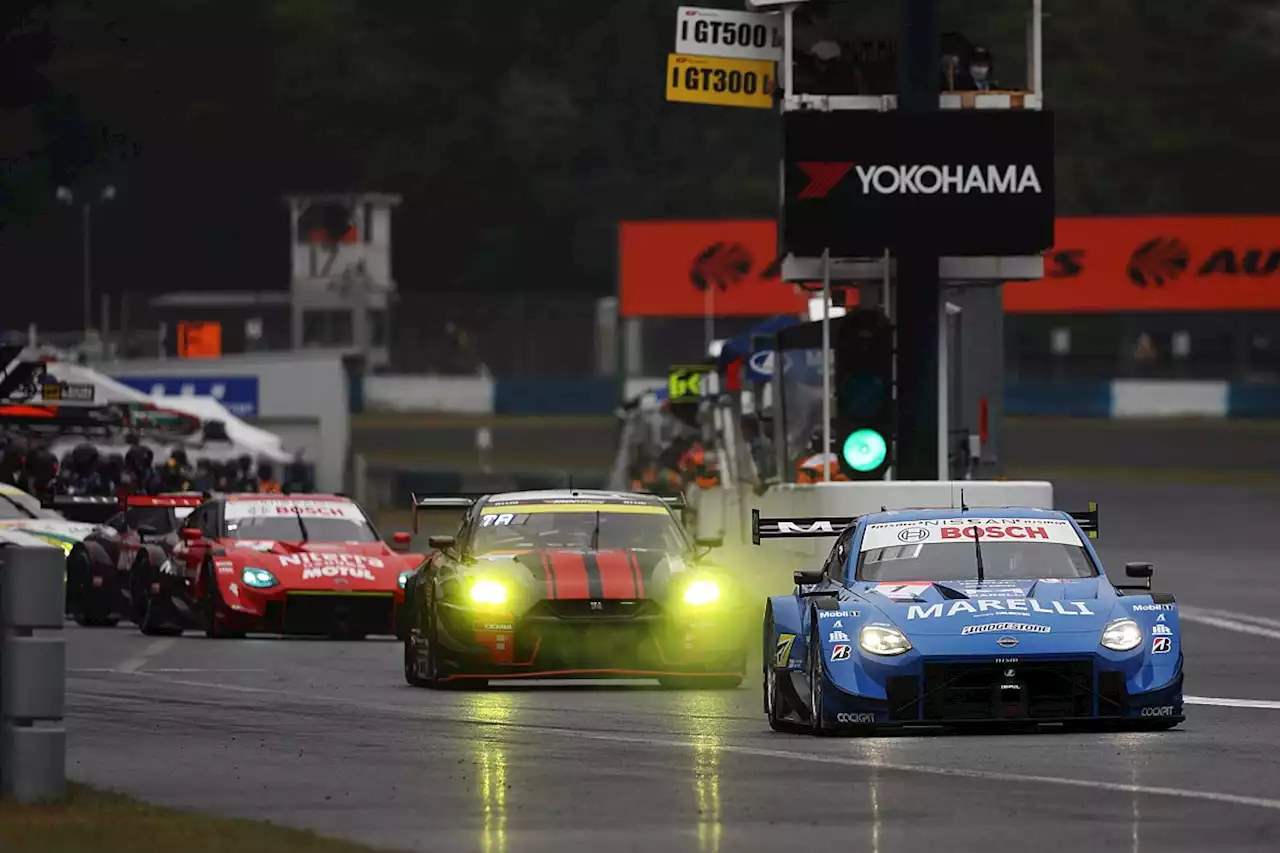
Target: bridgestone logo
[(929, 180), (1006, 626)]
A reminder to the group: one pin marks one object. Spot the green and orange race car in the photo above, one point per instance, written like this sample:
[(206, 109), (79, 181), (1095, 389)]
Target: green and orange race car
[(571, 584)]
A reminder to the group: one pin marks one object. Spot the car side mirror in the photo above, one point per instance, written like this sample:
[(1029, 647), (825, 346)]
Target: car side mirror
[(400, 541), (807, 577), (1138, 570), (190, 534), (147, 530), (714, 542), (441, 543)]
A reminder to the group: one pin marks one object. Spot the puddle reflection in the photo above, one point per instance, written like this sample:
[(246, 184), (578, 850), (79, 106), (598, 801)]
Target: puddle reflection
[(491, 767), (703, 715)]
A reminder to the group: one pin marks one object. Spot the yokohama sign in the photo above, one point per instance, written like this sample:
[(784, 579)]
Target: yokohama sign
[(955, 182), (922, 180)]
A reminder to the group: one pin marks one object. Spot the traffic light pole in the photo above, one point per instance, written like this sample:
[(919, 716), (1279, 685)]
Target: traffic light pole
[(826, 361), (919, 290)]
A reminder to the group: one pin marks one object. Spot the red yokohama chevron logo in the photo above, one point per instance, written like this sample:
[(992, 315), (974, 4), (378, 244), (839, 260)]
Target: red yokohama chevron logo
[(822, 177)]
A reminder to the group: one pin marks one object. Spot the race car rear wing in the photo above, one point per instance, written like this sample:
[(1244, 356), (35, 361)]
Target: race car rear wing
[(192, 499), (87, 509), (796, 528), (808, 528), (1087, 520), (460, 502)]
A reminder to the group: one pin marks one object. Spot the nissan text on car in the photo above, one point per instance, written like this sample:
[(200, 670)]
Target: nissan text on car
[(311, 564), (946, 617)]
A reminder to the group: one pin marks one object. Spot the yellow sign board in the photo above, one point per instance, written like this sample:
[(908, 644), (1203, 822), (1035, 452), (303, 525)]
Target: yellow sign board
[(721, 81), (684, 382)]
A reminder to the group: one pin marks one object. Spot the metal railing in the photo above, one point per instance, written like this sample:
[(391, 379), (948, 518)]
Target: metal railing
[(33, 739)]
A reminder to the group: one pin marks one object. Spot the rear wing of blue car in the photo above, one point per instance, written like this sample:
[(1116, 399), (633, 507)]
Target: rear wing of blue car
[(809, 528), (796, 528), (1088, 520)]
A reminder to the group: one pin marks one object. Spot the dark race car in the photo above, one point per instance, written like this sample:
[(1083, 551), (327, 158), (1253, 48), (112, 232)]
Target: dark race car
[(571, 584), (279, 564), (102, 571)]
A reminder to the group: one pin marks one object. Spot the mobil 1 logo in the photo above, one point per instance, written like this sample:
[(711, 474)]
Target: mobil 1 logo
[(729, 34)]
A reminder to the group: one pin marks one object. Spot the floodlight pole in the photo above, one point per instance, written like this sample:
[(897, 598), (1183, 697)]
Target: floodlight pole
[(826, 361)]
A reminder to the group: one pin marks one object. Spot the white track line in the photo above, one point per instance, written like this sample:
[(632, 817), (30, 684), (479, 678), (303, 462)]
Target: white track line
[(786, 755), (1241, 623), (1232, 703), (133, 664)]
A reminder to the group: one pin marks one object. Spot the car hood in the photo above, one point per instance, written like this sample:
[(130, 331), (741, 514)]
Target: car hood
[(617, 574), (63, 534), (321, 565), (966, 607)]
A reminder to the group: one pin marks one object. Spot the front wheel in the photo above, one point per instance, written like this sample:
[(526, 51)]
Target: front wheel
[(85, 609), (817, 674), (215, 610)]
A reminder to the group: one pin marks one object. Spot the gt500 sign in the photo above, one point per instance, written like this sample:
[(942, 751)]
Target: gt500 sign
[(734, 35)]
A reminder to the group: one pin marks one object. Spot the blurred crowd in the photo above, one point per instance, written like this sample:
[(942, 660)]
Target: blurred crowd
[(85, 470)]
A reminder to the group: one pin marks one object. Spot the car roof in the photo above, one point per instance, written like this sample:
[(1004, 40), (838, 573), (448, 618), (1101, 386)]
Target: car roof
[(586, 495), (928, 513)]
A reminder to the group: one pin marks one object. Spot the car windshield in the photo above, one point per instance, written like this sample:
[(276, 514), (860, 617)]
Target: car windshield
[(298, 521), (947, 550), (639, 528)]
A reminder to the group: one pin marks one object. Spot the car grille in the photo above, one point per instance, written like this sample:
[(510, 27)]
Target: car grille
[(325, 614), (1025, 690), (584, 609)]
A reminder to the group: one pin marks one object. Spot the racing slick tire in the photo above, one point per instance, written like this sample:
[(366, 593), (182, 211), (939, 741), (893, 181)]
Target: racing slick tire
[(86, 615), (215, 609), (411, 676), (774, 705), (816, 672), (433, 681), (145, 610)]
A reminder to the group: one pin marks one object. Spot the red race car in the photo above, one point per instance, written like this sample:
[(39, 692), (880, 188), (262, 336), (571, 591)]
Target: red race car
[(268, 563)]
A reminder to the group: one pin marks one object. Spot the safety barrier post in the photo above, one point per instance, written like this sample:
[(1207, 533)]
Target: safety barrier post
[(33, 740)]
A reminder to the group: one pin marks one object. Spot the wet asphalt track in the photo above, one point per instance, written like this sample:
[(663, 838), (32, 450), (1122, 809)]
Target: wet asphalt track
[(326, 735)]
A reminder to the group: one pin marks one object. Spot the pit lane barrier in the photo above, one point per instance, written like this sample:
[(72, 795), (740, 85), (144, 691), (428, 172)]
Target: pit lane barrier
[(33, 739)]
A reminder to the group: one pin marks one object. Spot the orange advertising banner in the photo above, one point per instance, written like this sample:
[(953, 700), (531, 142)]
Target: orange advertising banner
[(666, 268), (1100, 265), (1158, 263)]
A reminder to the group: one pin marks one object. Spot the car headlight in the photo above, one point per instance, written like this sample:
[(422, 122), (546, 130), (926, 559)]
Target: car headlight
[(258, 578), (1122, 635), (488, 592), (404, 578), (702, 591), (883, 640)]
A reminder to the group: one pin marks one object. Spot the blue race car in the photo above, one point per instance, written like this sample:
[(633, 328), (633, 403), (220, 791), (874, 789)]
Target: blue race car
[(947, 617)]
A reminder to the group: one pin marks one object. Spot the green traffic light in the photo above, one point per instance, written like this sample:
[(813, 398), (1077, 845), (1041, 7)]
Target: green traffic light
[(864, 450)]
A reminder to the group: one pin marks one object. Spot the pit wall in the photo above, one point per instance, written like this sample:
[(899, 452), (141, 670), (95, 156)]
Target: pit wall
[(1121, 398)]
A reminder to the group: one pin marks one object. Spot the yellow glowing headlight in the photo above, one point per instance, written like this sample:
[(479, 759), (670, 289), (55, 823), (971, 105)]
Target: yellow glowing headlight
[(488, 592), (704, 591)]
